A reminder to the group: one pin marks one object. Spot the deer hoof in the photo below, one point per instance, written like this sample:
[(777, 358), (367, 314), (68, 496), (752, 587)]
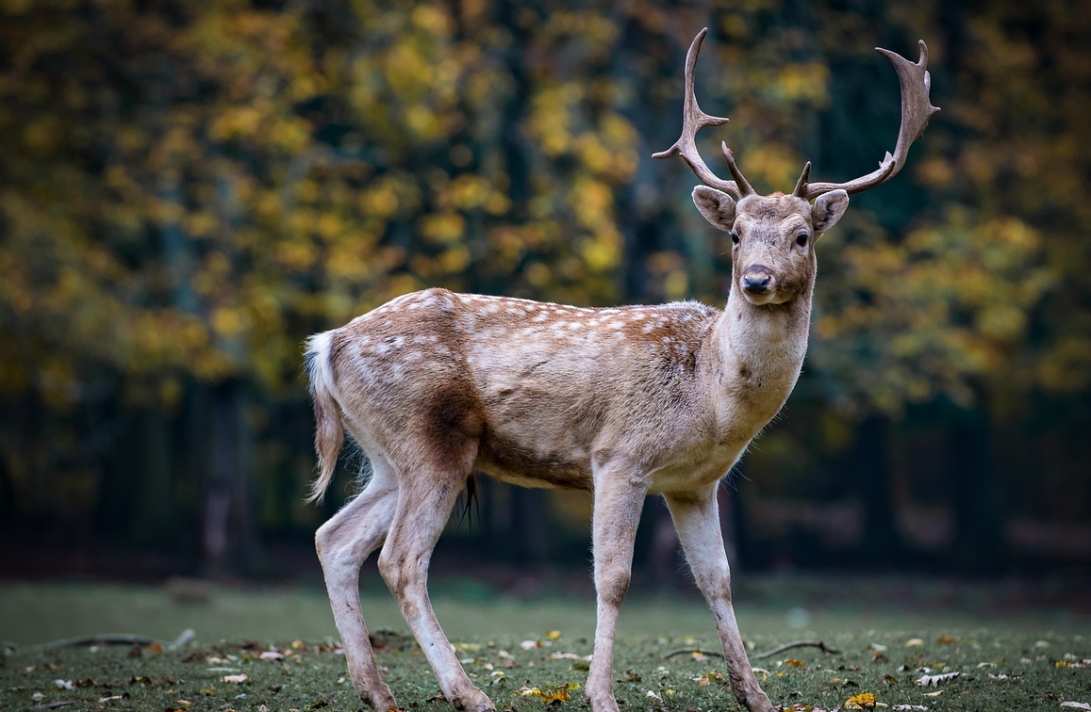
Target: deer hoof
[(605, 703), (473, 701), (380, 700)]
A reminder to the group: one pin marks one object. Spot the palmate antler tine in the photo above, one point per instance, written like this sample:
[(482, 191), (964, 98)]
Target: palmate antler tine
[(693, 120), (916, 110)]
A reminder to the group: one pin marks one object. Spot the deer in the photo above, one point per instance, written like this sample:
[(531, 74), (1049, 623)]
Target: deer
[(623, 402)]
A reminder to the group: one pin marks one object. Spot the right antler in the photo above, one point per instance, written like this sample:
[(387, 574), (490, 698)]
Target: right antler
[(693, 120)]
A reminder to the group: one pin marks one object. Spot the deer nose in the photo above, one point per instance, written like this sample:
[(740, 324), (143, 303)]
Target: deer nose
[(756, 279)]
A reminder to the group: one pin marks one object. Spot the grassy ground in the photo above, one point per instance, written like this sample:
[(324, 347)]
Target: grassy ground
[(1005, 660)]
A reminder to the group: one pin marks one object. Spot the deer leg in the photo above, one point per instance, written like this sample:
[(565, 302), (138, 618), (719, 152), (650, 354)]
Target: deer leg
[(618, 500), (423, 509), (696, 516), (343, 543)]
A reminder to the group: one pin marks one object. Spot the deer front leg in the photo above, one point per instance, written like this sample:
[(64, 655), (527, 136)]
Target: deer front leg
[(696, 516), (619, 497)]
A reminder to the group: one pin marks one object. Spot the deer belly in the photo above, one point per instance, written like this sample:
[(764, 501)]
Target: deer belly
[(509, 460)]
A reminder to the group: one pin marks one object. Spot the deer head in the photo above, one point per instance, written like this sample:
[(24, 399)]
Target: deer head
[(773, 236)]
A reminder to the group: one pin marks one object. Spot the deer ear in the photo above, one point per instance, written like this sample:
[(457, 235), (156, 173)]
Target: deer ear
[(717, 207), (828, 209)]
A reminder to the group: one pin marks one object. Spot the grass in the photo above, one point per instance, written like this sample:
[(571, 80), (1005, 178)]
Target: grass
[(1005, 662)]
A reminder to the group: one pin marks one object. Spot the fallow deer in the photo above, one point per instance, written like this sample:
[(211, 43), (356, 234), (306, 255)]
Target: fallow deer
[(621, 402)]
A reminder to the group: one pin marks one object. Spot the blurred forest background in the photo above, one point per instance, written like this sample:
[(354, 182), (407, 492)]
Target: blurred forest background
[(190, 188)]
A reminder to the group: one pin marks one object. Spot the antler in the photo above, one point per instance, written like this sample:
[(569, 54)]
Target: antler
[(693, 120), (916, 110)]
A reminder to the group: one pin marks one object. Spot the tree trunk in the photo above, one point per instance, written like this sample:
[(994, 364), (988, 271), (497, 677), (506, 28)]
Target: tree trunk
[(869, 462), (530, 525), (979, 515), (152, 517), (230, 539)]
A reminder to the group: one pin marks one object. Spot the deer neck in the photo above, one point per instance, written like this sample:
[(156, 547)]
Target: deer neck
[(760, 351)]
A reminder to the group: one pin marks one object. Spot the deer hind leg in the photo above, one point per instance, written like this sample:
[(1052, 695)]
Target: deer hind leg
[(429, 491), (343, 543), (696, 516)]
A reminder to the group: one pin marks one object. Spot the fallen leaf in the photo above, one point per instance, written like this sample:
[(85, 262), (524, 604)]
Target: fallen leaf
[(553, 634), (947, 639), (708, 678), (272, 655), (237, 679), (553, 696), (530, 644), (863, 701), (909, 708), (1076, 705), (652, 695), (912, 642), (933, 680)]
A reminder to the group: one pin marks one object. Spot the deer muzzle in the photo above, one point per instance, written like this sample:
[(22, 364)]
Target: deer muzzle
[(757, 280)]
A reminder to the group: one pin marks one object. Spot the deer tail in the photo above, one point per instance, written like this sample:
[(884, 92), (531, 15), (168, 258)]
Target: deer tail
[(329, 433)]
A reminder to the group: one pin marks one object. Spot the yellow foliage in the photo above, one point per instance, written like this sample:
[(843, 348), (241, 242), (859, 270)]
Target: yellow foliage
[(442, 228), (227, 322)]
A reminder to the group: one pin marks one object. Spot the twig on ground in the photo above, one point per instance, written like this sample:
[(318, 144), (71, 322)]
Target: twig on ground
[(767, 654), (112, 639), (693, 651)]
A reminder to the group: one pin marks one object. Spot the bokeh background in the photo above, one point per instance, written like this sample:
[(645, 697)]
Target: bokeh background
[(190, 188)]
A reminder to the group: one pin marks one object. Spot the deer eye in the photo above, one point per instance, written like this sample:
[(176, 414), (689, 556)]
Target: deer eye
[(801, 239), (734, 238)]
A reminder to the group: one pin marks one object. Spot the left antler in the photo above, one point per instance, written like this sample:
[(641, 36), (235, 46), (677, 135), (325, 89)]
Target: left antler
[(916, 110)]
